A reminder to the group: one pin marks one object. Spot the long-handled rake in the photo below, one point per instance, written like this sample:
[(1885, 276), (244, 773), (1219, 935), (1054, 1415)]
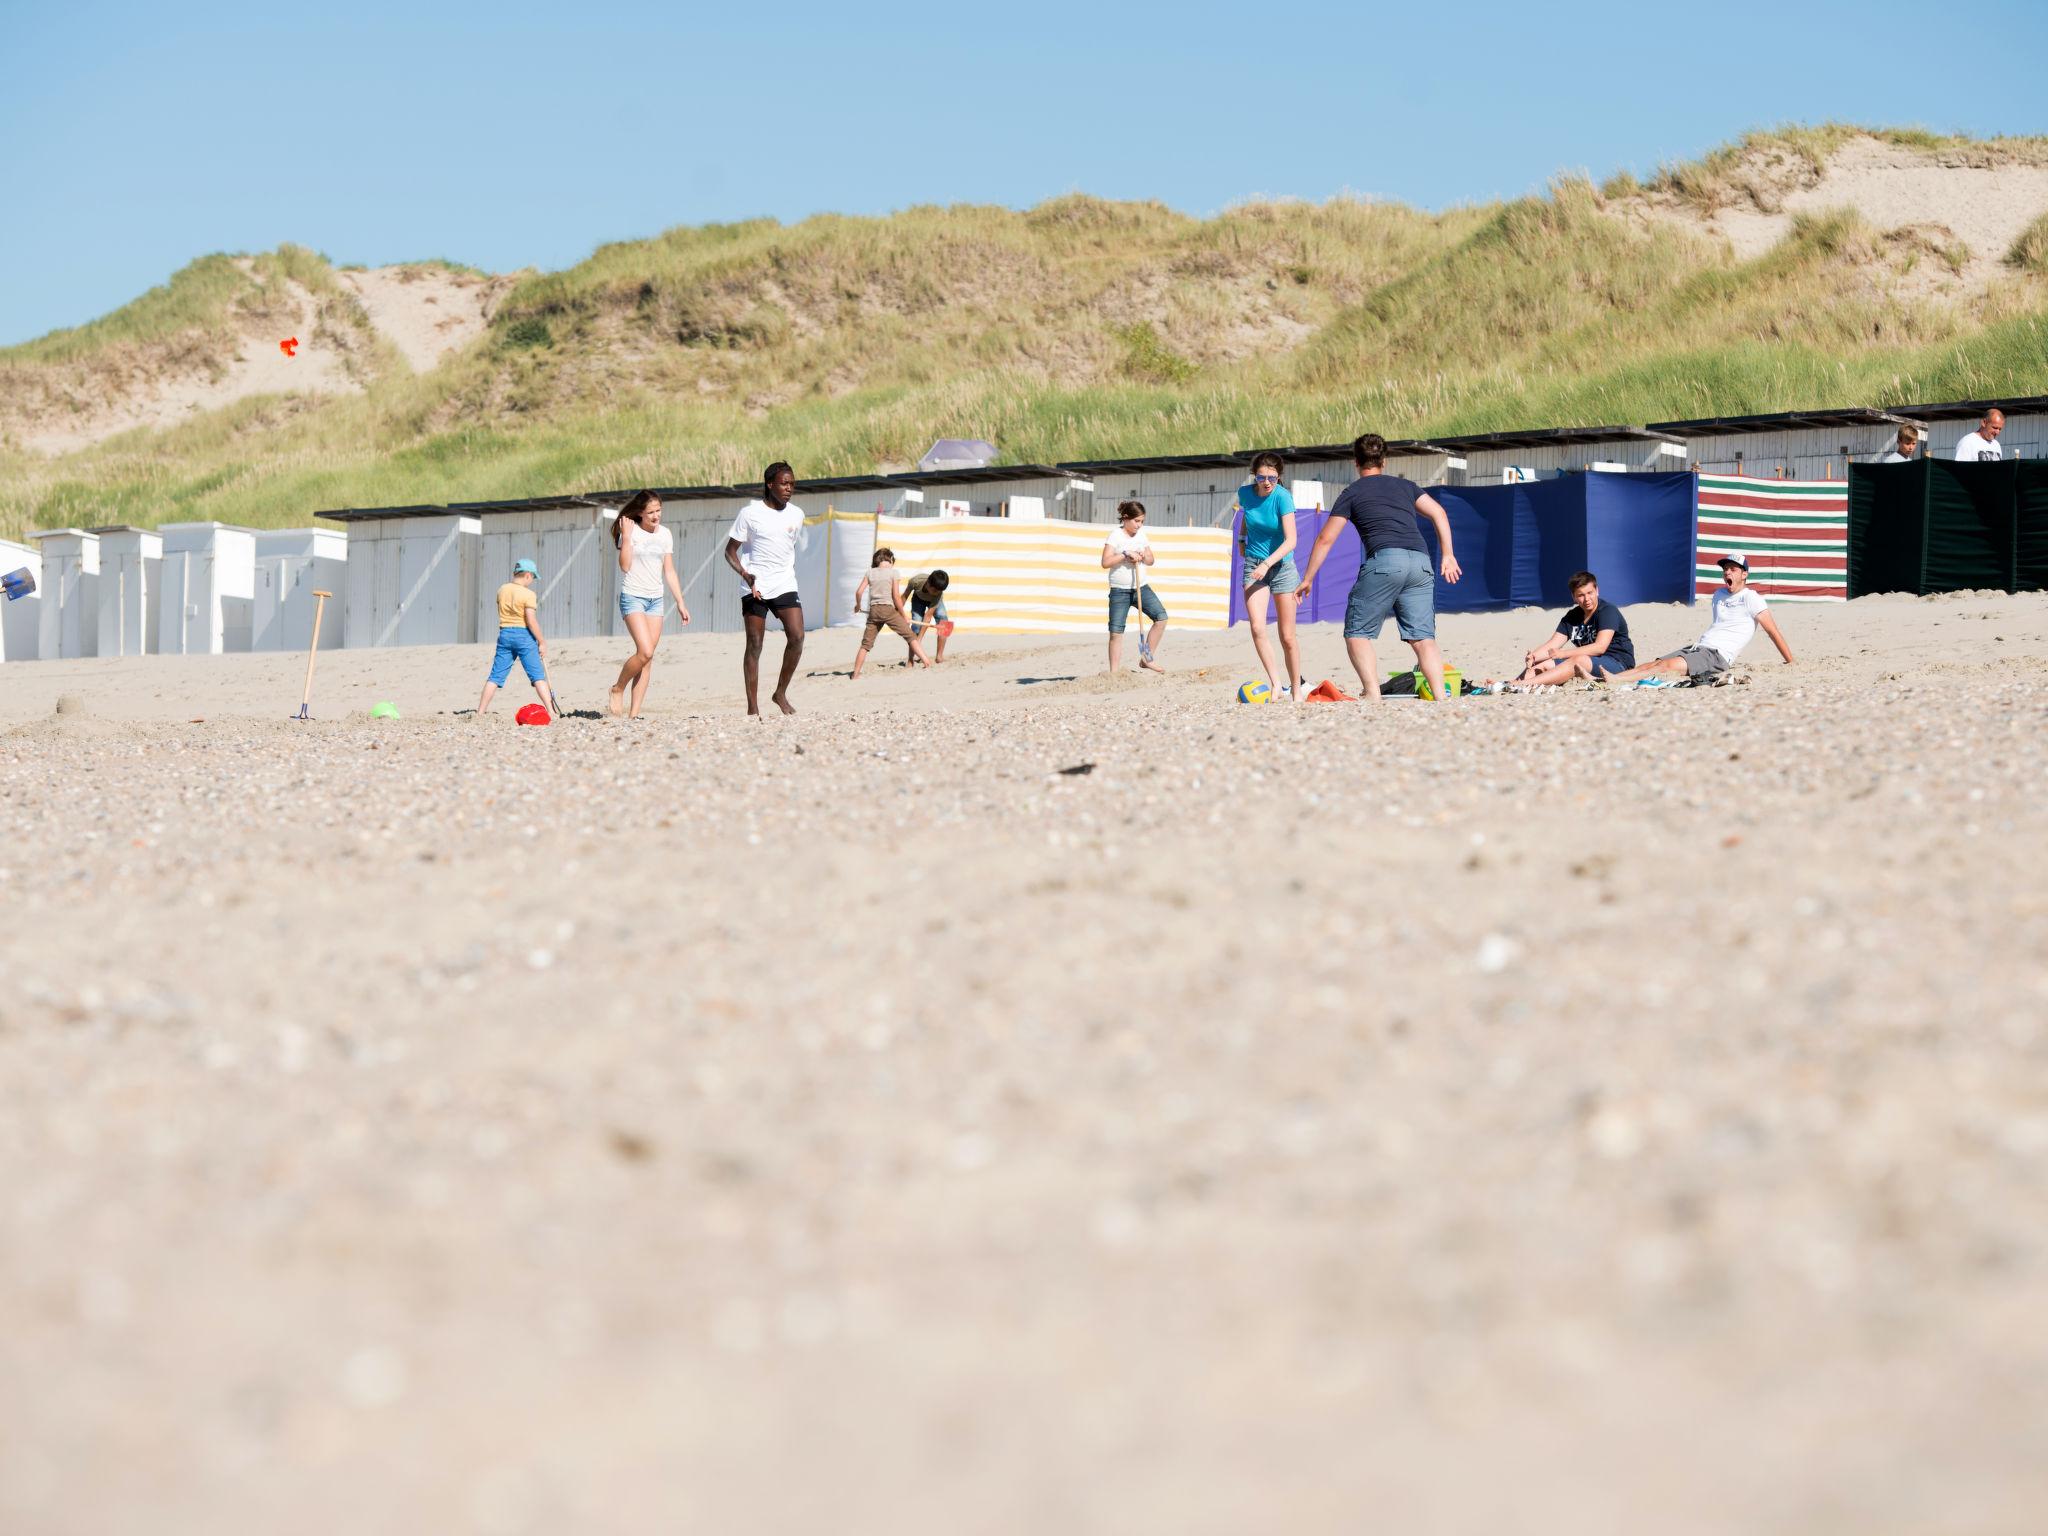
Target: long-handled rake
[(312, 654)]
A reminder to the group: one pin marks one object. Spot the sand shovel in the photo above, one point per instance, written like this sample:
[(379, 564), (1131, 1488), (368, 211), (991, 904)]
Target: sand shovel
[(312, 653), (1138, 602)]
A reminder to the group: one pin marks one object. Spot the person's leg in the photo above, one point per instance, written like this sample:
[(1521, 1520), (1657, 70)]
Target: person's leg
[(1415, 615), (792, 652), (1284, 604), (1431, 661), (1663, 666), (1365, 662), (640, 686), (501, 668), (537, 673), (1561, 672), (645, 628), (1365, 615), (867, 639), (939, 622), (750, 658), (1152, 608), (902, 628), (1119, 612), (1255, 616)]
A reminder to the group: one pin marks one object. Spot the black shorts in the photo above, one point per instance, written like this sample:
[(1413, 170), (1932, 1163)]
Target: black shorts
[(760, 607)]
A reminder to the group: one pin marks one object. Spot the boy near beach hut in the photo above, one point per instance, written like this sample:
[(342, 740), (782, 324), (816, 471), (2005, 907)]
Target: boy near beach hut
[(1738, 613), (927, 591), (1122, 554), (519, 638), (882, 591)]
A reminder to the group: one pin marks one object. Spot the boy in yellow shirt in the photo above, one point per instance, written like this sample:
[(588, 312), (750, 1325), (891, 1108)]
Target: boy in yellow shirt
[(519, 637)]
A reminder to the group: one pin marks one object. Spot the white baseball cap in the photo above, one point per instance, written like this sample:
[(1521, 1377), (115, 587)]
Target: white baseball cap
[(1734, 557)]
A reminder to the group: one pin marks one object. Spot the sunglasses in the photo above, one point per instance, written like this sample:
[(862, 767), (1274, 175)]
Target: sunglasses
[(1265, 479)]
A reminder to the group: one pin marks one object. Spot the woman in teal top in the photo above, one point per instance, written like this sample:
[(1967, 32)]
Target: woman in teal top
[(1266, 541)]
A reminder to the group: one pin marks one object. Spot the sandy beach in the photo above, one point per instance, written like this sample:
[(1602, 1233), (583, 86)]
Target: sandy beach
[(1591, 1112)]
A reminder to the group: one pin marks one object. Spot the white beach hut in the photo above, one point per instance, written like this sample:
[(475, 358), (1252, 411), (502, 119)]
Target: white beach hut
[(291, 563), (69, 622), (412, 576), (21, 616), (570, 539), (207, 605), (131, 562)]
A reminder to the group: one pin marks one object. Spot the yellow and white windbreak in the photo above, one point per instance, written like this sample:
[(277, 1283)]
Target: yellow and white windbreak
[(1026, 577)]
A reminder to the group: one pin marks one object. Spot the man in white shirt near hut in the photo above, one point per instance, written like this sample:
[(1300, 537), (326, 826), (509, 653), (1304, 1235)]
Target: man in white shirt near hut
[(1982, 446), (1738, 613), (762, 546)]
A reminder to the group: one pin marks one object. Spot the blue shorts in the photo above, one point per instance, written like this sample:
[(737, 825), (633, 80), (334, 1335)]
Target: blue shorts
[(1120, 601), (1397, 582), (517, 642), (920, 610), (628, 603)]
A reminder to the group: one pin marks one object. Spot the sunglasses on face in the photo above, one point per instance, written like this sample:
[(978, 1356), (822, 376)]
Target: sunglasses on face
[(1265, 479)]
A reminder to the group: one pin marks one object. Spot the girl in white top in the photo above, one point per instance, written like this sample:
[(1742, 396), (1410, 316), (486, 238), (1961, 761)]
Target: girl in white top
[(646, 565)]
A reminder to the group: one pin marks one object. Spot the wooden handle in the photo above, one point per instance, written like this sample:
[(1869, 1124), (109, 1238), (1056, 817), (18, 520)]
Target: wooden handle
[(313, 652)]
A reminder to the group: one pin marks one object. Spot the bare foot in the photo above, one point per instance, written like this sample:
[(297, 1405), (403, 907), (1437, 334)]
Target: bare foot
[(613, 704), (1152, 666), (787, 707)]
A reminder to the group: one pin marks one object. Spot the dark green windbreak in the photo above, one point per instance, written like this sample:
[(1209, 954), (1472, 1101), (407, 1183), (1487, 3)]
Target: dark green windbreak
[(2031, 537), (1970, 514), (1938, 526), (1887, 526)]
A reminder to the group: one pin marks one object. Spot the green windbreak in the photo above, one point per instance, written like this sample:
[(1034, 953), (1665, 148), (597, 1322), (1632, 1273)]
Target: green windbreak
[(1970, 513), (1938, 526), (1887, 526), (2031, 536)]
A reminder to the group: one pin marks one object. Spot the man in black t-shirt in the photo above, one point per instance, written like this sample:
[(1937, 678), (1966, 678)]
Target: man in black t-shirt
[(1394, 578), (1591, 639)]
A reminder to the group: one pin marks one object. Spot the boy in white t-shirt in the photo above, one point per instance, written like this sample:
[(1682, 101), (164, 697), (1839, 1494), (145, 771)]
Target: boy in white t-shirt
[(762, 545), (1738, 614), (1124, 555)]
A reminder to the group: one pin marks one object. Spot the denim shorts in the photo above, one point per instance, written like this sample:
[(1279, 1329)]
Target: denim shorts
[(920, 610), (517, 643), (1120, 601), (1279, 581), (628, 603), (1397, 582)]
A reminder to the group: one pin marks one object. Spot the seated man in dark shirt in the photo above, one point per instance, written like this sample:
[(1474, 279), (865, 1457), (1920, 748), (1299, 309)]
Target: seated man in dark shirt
[(1591, 639)]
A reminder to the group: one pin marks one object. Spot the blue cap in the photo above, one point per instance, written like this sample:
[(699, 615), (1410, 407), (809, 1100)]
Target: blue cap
[(525, 568)]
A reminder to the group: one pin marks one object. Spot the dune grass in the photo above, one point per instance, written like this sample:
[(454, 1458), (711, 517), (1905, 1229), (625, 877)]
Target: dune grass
[(1078, 329)]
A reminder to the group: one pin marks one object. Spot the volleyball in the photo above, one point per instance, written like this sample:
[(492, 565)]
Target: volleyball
[(1255, 693)]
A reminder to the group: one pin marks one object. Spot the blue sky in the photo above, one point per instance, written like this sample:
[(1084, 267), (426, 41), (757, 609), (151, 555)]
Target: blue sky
[(134, 138)]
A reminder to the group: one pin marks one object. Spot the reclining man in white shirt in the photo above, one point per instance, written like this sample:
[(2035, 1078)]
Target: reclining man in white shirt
[(1738, 614)]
